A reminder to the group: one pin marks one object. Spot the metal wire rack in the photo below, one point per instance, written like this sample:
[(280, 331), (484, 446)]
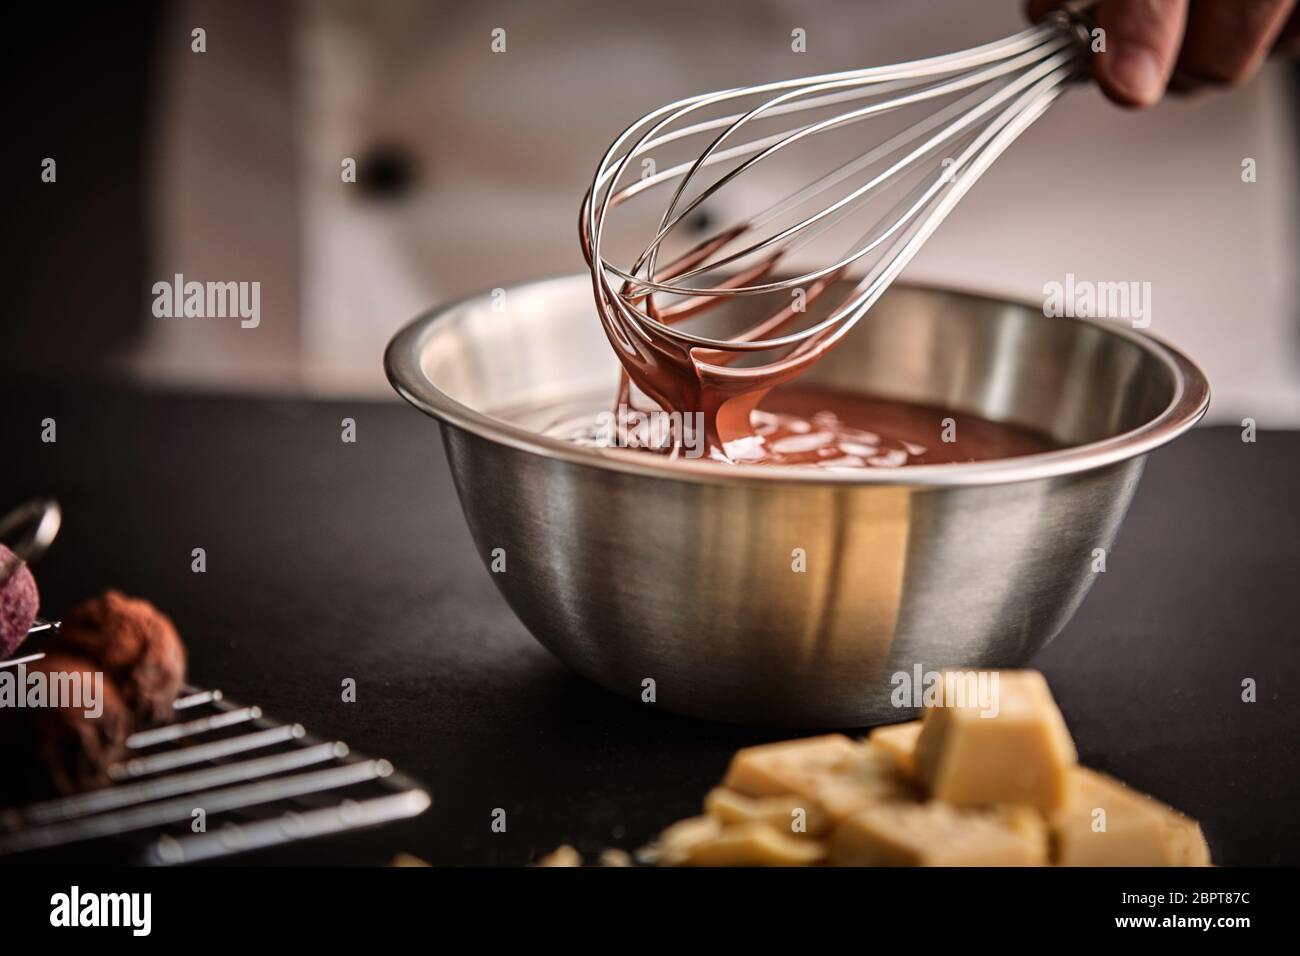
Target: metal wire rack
[(259, 783)]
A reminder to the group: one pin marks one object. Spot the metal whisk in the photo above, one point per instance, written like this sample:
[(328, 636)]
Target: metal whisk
[(978, 102)]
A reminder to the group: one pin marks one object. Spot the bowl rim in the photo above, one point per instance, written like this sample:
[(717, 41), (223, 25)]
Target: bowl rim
[(1189, 403)]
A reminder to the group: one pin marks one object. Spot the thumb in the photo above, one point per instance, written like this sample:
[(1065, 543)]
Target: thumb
[(1142, 38)]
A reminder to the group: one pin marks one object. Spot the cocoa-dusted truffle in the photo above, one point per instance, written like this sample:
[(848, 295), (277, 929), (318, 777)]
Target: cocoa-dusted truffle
[(51, 750), (19, 601), (135, 644)]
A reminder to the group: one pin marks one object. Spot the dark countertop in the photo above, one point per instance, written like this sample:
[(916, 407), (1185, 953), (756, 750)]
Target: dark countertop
[(328, 560)]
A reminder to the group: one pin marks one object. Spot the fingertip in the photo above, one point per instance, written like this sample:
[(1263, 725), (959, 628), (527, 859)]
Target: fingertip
[(1131, 76), (1140, 41)]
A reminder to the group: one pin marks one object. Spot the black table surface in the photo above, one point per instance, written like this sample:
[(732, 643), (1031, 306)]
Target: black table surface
[(328, 560)]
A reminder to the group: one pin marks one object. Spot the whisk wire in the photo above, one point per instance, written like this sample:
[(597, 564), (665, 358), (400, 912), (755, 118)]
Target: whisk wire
[(931, 91), (988, 97), (969, 115)]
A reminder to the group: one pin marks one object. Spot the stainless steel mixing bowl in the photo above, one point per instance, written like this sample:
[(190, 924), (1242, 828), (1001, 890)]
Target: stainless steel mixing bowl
[(634, 569)]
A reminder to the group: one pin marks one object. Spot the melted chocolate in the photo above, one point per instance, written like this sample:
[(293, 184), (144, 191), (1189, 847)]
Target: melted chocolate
[(831, 428), (809, 426)]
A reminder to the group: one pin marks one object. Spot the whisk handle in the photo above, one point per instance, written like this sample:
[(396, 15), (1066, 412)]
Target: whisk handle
[(1077, 16)]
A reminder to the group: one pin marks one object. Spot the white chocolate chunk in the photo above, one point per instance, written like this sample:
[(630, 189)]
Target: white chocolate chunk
[(561, 856), (836, 775), (935, 834), (1106, 823), (1012, 749), (899, 742), (787, 812)]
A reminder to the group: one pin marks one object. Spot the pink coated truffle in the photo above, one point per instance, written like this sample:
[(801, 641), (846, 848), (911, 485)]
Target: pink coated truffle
[(19, 601)]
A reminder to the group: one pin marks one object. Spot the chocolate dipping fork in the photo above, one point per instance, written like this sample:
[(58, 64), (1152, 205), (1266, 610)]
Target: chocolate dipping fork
[(28, 530), (978, 101)]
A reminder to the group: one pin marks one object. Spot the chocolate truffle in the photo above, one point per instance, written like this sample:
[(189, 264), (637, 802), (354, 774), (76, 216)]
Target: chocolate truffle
[(18, 601), (135, 644), (57, 750)]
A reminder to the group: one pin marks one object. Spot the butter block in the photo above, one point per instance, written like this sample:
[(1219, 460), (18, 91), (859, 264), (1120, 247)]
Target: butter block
[(1106, 823), (705, 841), (898, 741), (786, 813), (1016, 751), (835, 775), (935, 834)]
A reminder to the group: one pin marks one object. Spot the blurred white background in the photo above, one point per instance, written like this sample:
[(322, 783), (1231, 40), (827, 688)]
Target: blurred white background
[(473, 165)]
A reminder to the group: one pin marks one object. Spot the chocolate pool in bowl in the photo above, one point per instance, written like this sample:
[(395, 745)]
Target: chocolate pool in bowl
[(633, 568)]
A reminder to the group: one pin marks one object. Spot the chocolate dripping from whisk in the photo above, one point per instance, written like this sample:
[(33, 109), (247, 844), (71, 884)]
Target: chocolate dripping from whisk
[(1005, 86), (699, 380)]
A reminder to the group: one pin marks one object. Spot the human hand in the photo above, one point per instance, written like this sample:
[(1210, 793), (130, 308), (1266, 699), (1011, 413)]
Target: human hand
[(1152, 45)]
